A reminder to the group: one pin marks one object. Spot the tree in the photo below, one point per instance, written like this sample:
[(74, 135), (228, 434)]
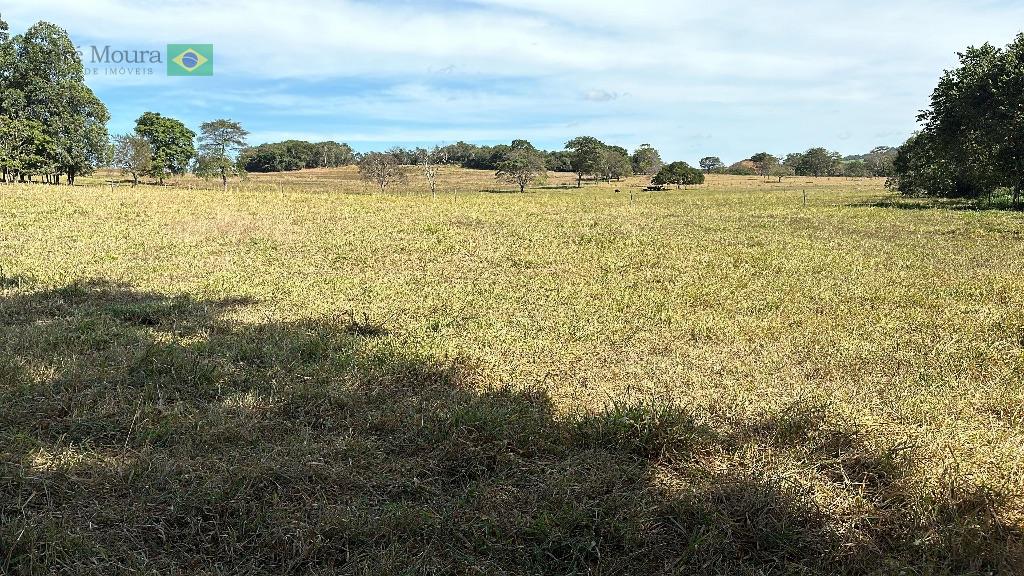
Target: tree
[(587, 157), (855, 169), (220, 141), (617, 164), (880, 160), (382, 169), (42, 80), (523, 165), (711, 164), (646, 160), (819, 162), (430, 163), (25, 149), (972, 140), (678, 173), (170, 141), (781, 171), (133, 155), (764, 163)]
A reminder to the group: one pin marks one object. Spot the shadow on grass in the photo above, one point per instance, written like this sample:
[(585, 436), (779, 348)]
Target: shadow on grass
[(941, 204), (140, 432)]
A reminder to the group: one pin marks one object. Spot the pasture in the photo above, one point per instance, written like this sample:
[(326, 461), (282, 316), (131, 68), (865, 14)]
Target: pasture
[(301, 376)]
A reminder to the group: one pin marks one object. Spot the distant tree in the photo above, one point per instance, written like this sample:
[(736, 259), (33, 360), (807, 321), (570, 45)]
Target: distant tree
[(220, 141), (383, 169), (711, 164), (587, 157), (523, 164), (646, 160), (678, 173), (133, 156), (332, 154), (855, 169), (781, 171), (558, 161), (430, 163), (171, 142), (617, 164), (819, 162), (764, 163)]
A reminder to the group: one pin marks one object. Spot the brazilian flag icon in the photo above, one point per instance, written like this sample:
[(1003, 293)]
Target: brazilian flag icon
[(190, 59)]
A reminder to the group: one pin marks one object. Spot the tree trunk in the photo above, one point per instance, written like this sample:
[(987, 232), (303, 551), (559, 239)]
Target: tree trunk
[(224, 179), (135, 180), (579, 180), (1017, 193)]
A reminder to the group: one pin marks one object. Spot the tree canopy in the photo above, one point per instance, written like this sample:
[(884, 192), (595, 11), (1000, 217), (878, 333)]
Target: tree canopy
[(678, 173), (711, 164), (523, 164), (170, 141), (587, 156), (972, 140), (43, 96), (646, 160), (296, 155), (220, 141)]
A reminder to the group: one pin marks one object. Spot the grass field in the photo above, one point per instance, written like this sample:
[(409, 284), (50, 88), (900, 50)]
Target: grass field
[(299, 376)]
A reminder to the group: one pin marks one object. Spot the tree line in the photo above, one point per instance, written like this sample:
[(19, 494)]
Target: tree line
[(815, 162), (53, 128)]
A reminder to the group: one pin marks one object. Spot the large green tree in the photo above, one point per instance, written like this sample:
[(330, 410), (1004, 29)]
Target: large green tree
[(678, 173), (220, 141), (819, 162), (711, 164), (42, 80), (25, 149), (522, 165), (617, 164), (972, 140), (646, 160), (764, 163), (171, 142), (587, 157)]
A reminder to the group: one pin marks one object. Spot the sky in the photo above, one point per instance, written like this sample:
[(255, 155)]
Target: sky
[(694, 79)]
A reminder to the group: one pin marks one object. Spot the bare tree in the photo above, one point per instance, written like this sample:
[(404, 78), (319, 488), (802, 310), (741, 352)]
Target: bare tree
[(431, 162), (381, 169)]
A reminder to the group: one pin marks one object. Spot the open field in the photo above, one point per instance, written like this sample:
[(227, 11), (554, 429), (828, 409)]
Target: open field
[(298, 376)]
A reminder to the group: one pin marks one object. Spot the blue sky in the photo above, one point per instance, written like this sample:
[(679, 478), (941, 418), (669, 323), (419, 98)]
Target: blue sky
[(693, 79)]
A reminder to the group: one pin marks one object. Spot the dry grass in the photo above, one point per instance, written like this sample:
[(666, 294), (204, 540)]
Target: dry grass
[(298, 376)]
